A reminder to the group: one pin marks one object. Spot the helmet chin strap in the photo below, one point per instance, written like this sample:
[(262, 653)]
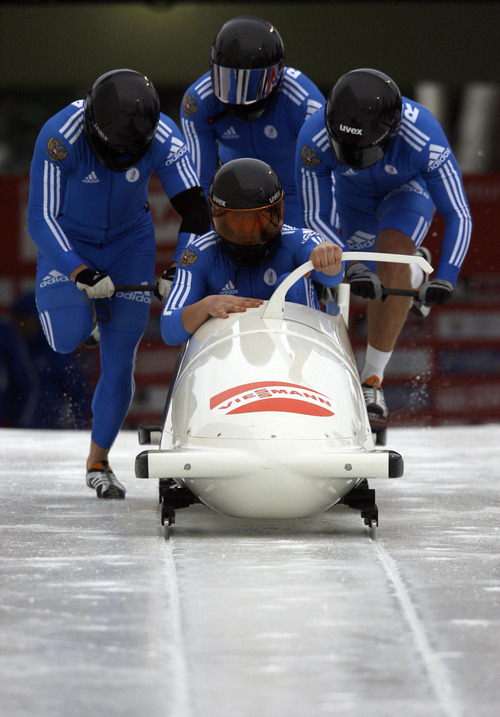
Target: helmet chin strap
[(220, 115)]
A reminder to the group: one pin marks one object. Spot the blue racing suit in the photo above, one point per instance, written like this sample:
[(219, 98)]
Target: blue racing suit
[(204, 270), (80, 212), (212, 134), (401, 191)]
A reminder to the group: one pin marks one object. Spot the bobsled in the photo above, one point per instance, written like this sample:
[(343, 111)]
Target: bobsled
[(265, 416)]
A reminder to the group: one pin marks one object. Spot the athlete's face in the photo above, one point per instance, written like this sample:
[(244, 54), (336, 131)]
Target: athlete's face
[(248, 226), (244, 228)]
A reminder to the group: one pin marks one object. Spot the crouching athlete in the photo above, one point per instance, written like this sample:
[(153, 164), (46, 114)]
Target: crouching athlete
[(246, 256), (89, 217)]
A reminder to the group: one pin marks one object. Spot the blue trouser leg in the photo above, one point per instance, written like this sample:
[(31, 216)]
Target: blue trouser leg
[(67, 318), (115, 387)]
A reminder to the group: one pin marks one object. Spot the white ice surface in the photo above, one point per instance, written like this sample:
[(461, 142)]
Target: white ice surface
[(101, 616)]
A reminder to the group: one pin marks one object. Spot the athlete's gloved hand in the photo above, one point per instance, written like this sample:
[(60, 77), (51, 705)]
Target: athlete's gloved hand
[(165, 283), (363, 282), (436, 291), (97, 284)]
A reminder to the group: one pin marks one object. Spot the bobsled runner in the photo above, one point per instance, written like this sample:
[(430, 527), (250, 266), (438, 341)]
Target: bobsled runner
[(265, 416)]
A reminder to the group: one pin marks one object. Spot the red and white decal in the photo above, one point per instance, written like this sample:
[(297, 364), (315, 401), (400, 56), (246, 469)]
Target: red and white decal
[(271, 396)]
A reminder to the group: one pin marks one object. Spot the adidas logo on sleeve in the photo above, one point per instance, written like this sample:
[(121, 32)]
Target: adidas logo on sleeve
[(53, 277), (437, 155)]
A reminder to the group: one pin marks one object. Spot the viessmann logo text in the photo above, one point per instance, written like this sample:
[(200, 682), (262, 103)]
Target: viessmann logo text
[(271, 396)]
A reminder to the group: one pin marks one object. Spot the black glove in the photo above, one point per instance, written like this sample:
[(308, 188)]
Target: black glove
[(97, 284), (165, 283), (363, 282), (436, 291)]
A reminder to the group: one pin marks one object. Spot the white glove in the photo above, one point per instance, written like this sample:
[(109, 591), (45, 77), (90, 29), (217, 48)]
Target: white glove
[(97, 284), (165, 283)]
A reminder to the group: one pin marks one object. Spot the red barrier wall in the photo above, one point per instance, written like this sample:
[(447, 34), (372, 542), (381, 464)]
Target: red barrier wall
[(445, 368)]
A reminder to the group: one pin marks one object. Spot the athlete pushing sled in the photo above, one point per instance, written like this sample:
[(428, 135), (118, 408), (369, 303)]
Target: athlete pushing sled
[(382, 165)]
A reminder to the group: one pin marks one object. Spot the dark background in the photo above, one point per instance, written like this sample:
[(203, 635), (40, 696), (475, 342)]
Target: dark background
[(51, 52)]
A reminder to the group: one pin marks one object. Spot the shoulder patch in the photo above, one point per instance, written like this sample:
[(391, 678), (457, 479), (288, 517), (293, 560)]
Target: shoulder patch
[(56, 151), (309, 157), (188, 257), (189, 105)]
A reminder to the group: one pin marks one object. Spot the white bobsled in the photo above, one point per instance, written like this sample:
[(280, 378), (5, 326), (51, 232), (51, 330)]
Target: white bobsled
[(265, 416)]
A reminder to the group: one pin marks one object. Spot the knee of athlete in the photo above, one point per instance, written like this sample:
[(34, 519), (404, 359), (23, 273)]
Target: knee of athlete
[(394, 241), (65, 344), (394, 275), (68, 340)]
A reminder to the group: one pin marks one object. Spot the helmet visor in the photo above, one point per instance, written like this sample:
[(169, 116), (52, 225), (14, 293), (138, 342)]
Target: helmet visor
[(242, 87), (248, 226)]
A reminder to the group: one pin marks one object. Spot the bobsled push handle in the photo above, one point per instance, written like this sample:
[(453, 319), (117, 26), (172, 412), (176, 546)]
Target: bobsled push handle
[(392, 258), (276, 305)]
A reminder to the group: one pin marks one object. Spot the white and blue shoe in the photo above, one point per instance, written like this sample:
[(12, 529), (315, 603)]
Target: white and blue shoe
[(103, 480)]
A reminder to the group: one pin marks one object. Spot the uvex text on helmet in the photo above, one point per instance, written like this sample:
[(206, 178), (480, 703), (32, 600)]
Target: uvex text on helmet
[(247, 202), (247, 63), (122, 111), (363, 117)]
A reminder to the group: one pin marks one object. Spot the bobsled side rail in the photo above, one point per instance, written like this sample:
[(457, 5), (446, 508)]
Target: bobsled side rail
[(372, 464), (233, 462)]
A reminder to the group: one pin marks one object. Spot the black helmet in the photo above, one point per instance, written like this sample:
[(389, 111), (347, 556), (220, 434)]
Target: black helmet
[(247, 62), (363, 117), (122, 111), (247, 204)]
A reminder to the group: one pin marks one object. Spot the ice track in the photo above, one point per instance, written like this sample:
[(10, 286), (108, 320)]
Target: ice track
[(100, 615)]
